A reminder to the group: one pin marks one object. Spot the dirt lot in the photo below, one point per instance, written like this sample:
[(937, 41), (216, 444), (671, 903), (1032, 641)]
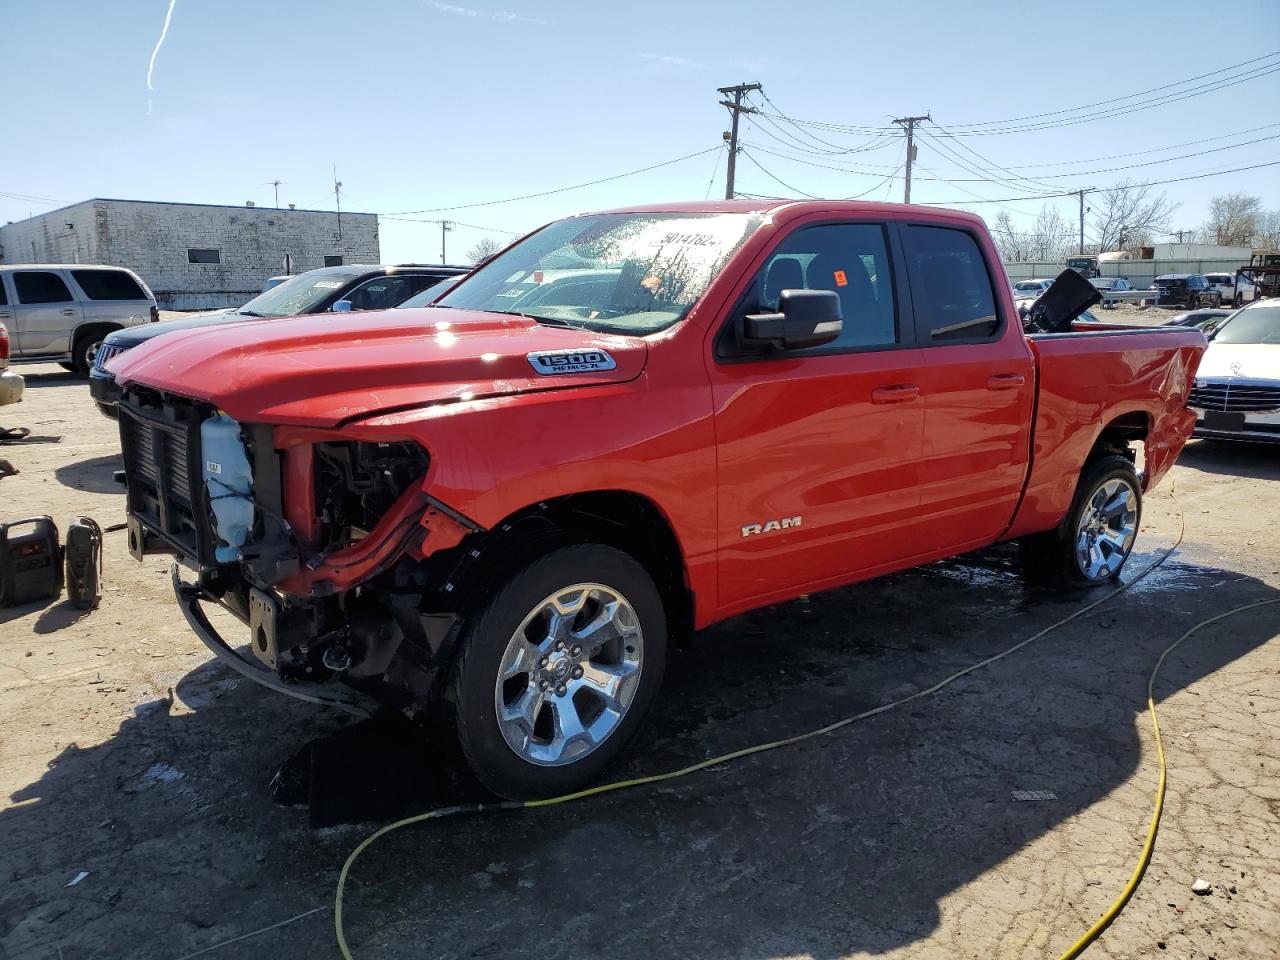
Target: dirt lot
[(127, 752)]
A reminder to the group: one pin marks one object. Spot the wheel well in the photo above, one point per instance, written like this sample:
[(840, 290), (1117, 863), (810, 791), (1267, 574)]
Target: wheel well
[(627, 521), (1117, 436), (91, 329)]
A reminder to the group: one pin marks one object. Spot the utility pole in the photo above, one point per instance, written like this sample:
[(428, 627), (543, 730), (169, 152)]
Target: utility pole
[(445, 227), (909, 124), (735, 109), (337, 199), (1080, 193)]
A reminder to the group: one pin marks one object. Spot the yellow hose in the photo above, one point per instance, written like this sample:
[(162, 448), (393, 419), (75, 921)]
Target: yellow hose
[(1075, 950), (1148, 846)]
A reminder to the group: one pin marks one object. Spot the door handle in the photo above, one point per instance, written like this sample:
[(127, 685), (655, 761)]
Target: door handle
[(897, 393), (68, 313), (1005, 381)]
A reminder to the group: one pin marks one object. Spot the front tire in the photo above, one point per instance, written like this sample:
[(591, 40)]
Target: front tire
[(557, 670), (1093, 542), (1238, 301)]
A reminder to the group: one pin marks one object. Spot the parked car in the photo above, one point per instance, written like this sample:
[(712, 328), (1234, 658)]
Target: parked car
[(1233, 288), (11, 385), (1236, 394), (1030, 288), (339, 289), (1188, 290), (63, 312), (507, 513), (432, 293), (1107, 285), (1205, 321)]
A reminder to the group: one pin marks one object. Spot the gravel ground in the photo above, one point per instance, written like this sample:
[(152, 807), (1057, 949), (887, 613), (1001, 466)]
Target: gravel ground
[(126, 752)]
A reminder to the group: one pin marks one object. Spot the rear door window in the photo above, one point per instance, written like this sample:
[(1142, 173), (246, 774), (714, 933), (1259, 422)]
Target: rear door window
[(950, 286), (380, 293), (108, 285), (40, 286)]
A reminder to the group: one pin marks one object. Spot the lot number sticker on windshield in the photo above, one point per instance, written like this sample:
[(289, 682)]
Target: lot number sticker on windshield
[(549, 363)]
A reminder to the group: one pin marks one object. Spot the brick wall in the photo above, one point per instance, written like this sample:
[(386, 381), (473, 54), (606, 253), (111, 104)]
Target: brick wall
[(153, 239)]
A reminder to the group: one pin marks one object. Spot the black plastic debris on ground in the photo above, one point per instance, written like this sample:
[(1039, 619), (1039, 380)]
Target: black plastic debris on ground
[(374, 770)]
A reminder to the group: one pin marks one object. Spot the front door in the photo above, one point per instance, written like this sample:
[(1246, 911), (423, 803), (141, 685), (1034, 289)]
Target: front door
[(818, 449), (44, 311), (978, 378)]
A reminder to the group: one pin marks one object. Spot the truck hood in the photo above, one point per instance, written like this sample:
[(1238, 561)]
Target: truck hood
[(323, 369), (130, 337), (1248, 361)]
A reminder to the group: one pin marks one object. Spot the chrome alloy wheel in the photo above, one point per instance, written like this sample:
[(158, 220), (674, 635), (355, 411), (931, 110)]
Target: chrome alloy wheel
[(569, 674), (1108, 526)]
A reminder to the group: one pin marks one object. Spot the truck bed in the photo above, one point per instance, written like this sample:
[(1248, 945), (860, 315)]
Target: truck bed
[(1086, 384)]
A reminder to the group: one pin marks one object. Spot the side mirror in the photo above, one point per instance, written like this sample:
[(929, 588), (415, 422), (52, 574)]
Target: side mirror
[(342, 306), (805, 318)]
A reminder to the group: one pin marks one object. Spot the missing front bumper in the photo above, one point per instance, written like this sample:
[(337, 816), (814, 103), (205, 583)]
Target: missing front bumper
[(189, 600)]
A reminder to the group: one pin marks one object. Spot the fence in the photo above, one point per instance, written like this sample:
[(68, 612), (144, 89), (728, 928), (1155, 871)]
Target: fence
[(1139, 273)]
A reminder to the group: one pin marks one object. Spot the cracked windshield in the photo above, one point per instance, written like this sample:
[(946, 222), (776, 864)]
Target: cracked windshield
[(621, 273)]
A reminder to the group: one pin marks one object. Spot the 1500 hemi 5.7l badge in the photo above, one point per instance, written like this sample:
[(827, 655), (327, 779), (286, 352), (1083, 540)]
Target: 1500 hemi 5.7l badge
[(551, 362)]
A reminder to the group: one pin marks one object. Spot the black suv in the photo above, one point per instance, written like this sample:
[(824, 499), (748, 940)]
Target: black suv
[(1189, 290), (337, 289)]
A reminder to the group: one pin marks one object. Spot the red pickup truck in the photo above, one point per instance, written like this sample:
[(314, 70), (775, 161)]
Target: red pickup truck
[(499, 511)]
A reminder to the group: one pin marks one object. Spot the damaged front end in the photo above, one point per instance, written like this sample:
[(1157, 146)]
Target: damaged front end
[(314, 539)]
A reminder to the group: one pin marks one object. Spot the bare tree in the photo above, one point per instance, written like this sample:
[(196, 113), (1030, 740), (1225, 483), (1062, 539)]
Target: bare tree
[(1268, 234), (1128, 215), (1233, 219), (1047, 240), (1010, 242), (482, 249), (1050, 235)]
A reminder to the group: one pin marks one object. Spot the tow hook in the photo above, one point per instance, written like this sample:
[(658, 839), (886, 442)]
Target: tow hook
[(337, 656)]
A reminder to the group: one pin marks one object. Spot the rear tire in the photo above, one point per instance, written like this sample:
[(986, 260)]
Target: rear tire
[(533, 717), (67, 366), (85, 351), (1094, 540)]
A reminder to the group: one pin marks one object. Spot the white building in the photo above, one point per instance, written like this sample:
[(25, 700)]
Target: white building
[(193, 255)]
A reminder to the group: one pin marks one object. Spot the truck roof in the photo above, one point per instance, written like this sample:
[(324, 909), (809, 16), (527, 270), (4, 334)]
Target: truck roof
[(796, 208)]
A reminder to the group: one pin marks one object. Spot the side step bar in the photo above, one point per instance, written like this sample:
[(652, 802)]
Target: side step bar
[(189, 601)]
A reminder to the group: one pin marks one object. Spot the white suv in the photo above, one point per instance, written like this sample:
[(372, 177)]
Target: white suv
[(1235, 288), (63, 312)]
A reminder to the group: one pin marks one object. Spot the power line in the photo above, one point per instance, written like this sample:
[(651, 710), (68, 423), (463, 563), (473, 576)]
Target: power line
[(1140, 153), (983, 177), (1140, 93), (1015, 125), (776, 179), (875, 143), (711, 183), (547, 193), (1133, 186), (1016, 178)]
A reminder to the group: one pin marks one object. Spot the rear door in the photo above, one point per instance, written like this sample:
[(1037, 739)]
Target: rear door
[(818, 450), (45, 312), (978, 379)]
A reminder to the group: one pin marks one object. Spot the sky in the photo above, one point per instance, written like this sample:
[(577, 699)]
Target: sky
[(425, 104)]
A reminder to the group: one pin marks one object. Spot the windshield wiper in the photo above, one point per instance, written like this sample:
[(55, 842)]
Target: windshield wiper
[(249, 313)]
